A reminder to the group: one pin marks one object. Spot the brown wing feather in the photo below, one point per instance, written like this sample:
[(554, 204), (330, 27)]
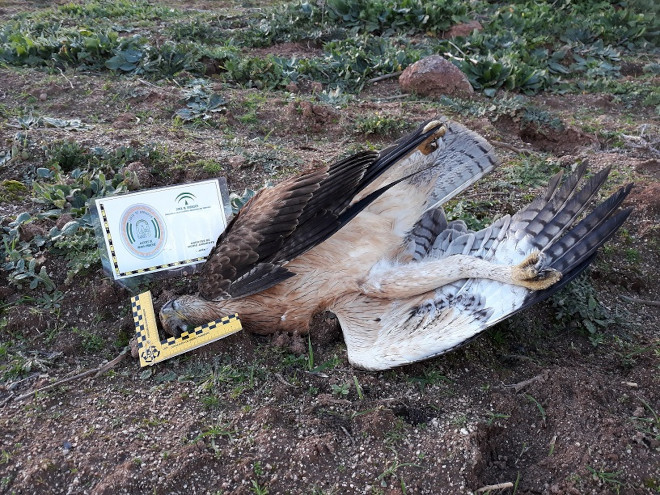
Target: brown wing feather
[(283, 222), (256, 233)]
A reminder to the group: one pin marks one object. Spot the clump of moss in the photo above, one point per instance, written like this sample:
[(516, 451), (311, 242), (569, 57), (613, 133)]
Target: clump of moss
[(12, 190)]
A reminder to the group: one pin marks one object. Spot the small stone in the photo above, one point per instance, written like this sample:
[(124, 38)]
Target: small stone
[(434, 76), (43, 96), (238, 161), (638, 412)]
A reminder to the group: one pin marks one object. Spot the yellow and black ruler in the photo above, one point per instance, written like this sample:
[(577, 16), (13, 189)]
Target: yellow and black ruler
[(152, 350)]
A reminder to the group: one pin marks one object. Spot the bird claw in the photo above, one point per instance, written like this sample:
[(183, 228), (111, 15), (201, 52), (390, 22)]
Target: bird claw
[(532, 274), (429, 145)]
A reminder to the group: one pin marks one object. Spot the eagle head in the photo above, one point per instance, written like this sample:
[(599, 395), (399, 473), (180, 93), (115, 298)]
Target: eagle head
[(187, 312)]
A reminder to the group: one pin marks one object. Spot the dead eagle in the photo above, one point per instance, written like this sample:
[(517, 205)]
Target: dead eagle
[(367, 239)]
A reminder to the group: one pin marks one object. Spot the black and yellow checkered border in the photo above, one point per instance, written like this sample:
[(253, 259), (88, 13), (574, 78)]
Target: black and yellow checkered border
[(152, 350), (113, 256)]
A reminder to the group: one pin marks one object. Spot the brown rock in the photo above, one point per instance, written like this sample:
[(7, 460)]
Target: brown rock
[(434, 76), (464, 29), (106, 293), (238, 161)]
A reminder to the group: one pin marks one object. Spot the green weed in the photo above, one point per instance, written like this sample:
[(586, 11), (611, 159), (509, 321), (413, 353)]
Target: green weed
[(201, 101), (577, 306), (90, 342), (380, 125), (607, 478), (257, 489), (12, 191), (530, 171), (539, 407), (393, 467), (340, 390)]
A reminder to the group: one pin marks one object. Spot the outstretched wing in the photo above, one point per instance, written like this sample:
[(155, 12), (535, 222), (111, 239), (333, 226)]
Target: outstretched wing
[(391, 333), (281, 223)]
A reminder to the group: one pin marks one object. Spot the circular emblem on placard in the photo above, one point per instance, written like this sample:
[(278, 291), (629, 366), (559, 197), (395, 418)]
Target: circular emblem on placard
[(142, 231)]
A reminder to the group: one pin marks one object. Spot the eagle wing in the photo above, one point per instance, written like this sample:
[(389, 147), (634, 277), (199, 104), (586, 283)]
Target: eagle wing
[(381, 334), (280, 223)]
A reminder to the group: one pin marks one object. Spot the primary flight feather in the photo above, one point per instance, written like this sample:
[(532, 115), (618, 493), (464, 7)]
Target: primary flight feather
[(367, 239)]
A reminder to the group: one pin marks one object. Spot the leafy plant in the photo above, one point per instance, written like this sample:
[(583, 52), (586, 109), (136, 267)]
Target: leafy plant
[(380, 125), (90, 342), (238, 201), (68, 156), (12, 190), (576, 306), (340, 390), (200, 101)]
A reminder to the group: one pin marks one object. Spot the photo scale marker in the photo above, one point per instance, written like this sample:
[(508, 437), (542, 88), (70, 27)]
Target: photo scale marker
[(152, 350)]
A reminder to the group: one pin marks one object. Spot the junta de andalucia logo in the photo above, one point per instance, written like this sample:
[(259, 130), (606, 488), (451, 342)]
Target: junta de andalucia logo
[(143, 231), (186, 201)]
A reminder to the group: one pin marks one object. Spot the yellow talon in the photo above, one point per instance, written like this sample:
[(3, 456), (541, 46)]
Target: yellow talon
[(527, 274), (429, 145)]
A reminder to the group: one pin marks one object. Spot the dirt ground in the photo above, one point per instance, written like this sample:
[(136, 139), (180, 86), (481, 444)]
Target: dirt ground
[(534, 403)]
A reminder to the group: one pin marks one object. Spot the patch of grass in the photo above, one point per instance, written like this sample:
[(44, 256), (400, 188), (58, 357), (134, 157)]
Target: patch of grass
[(530, 171), (89, 341), (214, 432), (475, 214), (392, 467), (649, 425), (430, 377), (539, 407), (493, 417), (396, 434), (608, 478), (211, 167), (211, 401), (577, 306), (380, 125), (257, 489)]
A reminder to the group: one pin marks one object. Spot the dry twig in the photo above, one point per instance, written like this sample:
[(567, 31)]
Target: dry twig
[(67, 79), (648, 302), (517, 387), (490, 488), (383, 77), (96, 372), (510, 147), (281, 379)]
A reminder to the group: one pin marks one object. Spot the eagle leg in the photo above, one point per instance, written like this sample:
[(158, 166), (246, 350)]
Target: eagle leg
[(533, 275)]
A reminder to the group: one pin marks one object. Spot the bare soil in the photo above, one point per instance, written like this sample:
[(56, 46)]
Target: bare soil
[(531, 402)]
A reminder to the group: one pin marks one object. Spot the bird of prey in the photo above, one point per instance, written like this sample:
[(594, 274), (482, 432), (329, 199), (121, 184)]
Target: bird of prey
[(367, 239)]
